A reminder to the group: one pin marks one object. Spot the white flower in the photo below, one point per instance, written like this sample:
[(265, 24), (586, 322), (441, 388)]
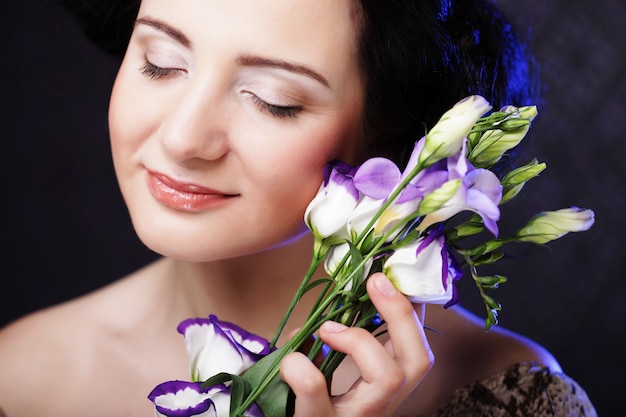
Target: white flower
[(216, 346), (424, 271), (333, 260), (447, 136), (328, 212), (190, 399)]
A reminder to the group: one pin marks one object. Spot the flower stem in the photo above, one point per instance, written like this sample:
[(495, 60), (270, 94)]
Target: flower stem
[(296, 298)]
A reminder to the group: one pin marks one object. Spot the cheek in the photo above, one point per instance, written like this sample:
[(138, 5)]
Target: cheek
[(132, 117), (290, 175)]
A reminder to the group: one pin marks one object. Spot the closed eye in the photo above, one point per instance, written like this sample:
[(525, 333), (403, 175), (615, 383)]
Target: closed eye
[(277, 111), (156, 73)]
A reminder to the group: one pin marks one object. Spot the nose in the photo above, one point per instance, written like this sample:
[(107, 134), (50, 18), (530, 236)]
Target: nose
[(196, 126)]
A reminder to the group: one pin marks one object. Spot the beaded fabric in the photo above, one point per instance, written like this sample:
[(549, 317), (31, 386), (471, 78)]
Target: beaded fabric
[(523, 390)]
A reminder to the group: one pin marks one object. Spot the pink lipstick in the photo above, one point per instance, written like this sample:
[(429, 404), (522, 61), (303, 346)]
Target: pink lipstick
[(184, 196)]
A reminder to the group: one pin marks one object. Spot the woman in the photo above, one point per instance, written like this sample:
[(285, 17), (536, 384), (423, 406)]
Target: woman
[(222, 117)]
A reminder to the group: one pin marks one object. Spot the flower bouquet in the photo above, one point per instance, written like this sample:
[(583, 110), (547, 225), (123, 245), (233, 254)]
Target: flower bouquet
[(413, 225)]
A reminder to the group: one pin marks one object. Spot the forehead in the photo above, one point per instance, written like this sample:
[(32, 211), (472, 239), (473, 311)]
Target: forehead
[(320, 33)]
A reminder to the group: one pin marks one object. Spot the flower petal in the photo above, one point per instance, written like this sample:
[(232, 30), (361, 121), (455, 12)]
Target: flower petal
[(377, 178), (327, 214), (215, 346), (422, 271), (182, 399), (254, 346)]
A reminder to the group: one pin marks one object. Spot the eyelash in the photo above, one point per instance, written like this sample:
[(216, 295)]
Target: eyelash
[(281, 112), (156, 73)]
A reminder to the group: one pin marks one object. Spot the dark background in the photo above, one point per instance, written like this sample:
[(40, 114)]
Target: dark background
[(65, 230)]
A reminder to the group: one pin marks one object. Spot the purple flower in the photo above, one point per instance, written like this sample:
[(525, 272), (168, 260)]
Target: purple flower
[(216, 346), (377, 179), (186, 399), (182, 399), (328, 212), (425, 271), (480, 191)]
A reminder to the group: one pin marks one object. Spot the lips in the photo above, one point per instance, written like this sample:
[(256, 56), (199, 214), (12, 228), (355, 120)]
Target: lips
[(184, 196)]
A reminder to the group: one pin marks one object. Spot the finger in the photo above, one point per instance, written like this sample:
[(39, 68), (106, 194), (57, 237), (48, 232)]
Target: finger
[(406, 335), (306, 347), (308, 385), (381, 377), (405, 330)]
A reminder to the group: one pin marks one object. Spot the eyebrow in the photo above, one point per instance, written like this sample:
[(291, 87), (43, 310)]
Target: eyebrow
[(244, 60), (258, 61), (169, 30)]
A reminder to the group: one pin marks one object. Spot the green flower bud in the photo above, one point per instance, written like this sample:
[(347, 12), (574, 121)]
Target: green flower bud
[(469, 228), (551, 225), (506, 134), (447, 136), (435, 200), (514, 181)]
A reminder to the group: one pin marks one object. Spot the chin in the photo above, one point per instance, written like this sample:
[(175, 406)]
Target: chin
[(200, 249)]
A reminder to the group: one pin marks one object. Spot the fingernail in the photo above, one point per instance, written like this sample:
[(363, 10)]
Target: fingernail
[(385, 286), (334, 327)]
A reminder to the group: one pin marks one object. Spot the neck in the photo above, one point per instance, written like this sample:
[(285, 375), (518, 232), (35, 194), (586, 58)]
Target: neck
[(252, 291)]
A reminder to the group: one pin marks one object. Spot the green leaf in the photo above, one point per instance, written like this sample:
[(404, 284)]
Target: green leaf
[(276, 400), (488, 258), (491, 303), (491, 281), (483, 248), (492, 318), (317, 282), (466, 229), (509, 193), (514, 181), (240, 390), (221, 378)]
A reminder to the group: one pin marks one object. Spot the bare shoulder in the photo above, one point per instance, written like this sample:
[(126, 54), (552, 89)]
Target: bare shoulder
[(463, 339), (466, 353), (57, 351), (34, 352)]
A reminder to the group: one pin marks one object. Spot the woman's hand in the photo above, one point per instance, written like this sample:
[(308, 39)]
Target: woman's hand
[(389, 372)]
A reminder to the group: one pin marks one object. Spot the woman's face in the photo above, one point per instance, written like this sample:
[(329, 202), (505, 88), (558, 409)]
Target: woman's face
[(223, 115)]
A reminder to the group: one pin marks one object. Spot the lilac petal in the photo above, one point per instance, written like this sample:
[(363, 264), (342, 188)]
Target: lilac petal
[(417, 149), (345, 181), (458, 165), (430, 238), (377, 178), (186, 324), (457, 273), (410, 193), (481, 204), (454, 299), (426, 182), (256, 346), (444, 267), (483, 196), (338, 166), (182, 399), (485, 181)]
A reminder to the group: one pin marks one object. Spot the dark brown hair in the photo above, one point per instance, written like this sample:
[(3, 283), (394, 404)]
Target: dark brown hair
[(418, 58)]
